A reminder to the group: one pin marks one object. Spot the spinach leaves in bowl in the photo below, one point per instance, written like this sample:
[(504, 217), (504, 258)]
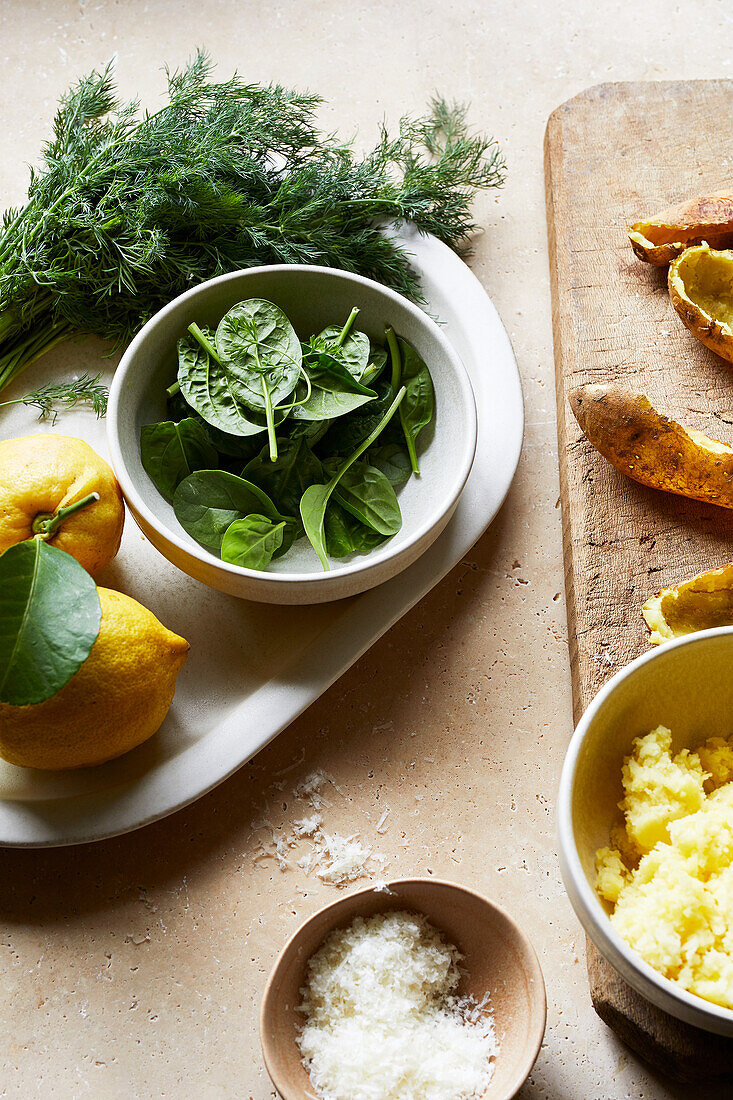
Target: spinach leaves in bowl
[(340, 430)]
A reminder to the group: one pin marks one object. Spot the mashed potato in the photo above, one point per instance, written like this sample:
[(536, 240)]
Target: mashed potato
[(669, 871)]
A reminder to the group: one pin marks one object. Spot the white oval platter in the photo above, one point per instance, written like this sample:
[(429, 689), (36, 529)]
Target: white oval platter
[(253, 668)]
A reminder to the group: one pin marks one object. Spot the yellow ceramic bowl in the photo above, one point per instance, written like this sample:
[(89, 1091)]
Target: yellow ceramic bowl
[(687, 686)]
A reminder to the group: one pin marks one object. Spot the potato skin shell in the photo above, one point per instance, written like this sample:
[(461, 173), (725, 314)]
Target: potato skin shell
[(661, 238), (704, 601), (650, 448), (712, 333)]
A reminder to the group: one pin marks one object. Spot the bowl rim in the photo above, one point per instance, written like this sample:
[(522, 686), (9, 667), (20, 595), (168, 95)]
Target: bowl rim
[(534, 1044), (462, 469), (647, 981)]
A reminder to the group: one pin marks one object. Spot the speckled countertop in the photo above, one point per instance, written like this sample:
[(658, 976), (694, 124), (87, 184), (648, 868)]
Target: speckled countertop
[(133, 968)]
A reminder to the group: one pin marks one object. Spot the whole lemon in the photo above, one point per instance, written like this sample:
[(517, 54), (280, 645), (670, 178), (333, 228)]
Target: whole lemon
[(117, 699), (39, 474)]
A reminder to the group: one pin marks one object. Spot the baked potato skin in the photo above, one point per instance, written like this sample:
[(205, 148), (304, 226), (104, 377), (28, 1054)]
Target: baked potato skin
[(708, 329), (658, 240), (698, 604), (652, 449)]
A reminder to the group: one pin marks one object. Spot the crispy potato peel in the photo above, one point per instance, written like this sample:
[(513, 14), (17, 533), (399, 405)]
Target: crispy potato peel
[(659, 239), (697, 604), (652, 449), (701, 290)]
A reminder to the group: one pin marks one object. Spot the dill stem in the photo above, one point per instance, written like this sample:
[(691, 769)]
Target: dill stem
[(7, 322), (31, 349)]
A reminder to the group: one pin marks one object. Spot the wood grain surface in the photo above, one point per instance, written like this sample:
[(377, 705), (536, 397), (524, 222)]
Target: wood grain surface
[(614, 154)]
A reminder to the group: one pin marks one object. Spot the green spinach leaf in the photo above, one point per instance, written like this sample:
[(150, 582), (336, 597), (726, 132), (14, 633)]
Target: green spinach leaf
[(261, 348), (315, 499), (212, 389), (418, 408), (377, 363), (232, 446), (393, 460), (252, 541), (348, 432), (327, 404), (367, 494), (208, 501), (310, 430), (325, 370), (177, 407), (346, 535), (353, 351), (49, 621), (171, 451), (286, 479)]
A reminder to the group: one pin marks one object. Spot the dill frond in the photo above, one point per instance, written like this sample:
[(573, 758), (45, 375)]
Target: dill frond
[(128, 209), (83, 390)]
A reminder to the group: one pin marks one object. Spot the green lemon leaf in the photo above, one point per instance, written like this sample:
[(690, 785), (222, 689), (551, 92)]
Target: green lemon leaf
[(252, 542), (49, 621)]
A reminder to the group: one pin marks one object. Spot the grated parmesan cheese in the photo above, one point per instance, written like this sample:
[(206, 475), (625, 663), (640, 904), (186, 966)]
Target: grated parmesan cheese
[(383, 1021), (336, 859)]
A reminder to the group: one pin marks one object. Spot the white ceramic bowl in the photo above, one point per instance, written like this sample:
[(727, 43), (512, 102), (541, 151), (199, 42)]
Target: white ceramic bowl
[(312, 297), (687, 686)]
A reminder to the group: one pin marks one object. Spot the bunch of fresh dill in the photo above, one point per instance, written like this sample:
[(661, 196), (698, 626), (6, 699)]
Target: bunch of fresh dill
[(129, 209)]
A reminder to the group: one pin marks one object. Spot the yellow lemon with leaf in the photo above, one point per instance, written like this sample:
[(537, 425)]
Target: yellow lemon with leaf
[(117, 699), (58, 488)]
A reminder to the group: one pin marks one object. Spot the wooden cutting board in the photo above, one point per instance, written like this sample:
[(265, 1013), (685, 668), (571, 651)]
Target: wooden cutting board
[(614, 154)]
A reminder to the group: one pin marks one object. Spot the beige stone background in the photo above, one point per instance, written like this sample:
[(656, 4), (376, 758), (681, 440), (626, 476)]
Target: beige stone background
[(133, 968)]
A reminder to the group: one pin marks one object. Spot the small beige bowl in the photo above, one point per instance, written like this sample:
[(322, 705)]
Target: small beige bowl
[(498, 959), (311, 297), (687, 686)]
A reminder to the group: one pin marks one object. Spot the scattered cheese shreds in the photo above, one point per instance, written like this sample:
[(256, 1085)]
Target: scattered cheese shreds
[(337, 859), (383, 1021), (310, 789), (381, 887), (307, 826)]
